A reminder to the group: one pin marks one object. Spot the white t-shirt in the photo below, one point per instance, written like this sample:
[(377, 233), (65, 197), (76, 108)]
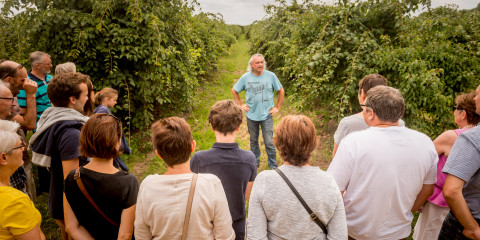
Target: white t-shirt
[(382, 170)]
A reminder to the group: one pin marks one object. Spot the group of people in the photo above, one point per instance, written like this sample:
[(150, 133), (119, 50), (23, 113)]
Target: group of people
[(381, 172)]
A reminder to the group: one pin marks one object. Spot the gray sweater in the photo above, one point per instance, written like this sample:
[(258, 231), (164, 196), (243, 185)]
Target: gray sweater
[(274, 212)]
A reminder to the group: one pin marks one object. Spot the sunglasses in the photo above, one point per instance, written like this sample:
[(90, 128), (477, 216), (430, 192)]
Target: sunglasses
[(457, 108), (13, 71)]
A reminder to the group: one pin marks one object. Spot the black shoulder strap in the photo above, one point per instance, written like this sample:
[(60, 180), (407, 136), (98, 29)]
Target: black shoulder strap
[(313, 216)]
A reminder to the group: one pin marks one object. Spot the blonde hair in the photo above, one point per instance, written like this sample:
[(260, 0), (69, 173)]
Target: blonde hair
[(105, 93), (65, 68)]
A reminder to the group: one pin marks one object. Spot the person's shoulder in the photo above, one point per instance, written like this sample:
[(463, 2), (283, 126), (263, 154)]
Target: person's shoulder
[(101, 109), (352, 119)]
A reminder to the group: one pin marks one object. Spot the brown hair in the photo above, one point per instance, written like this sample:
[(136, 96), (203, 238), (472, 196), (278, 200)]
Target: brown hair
[(65, 85), (105, 93), (465, 102), (370, 81), (225, 116), (89, 106), (172, 138), (295, 139), (100, 137)]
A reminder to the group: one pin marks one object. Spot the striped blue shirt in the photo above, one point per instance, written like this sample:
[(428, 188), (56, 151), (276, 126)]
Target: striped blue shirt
[(41, 97)]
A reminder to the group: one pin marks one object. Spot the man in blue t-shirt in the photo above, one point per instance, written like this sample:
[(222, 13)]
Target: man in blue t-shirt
[(236, 168), (260, 85)]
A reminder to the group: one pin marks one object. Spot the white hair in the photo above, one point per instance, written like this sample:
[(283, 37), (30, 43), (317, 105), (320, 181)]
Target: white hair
[(9, 136), (65, 68), (249, 68)]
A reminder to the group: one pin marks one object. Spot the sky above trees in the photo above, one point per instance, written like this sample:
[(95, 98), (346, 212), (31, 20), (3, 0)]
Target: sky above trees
[(244, 12)]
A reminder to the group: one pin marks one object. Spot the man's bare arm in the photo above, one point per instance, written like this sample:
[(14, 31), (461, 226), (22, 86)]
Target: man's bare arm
[(422, 197), (245, 107), (29, 120), (452, 191)]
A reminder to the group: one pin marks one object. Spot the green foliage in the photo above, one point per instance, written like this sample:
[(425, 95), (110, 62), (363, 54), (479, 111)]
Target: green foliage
[(322, 51), (154, 52)]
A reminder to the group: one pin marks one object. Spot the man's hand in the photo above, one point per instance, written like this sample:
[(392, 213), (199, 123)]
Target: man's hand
[(273, 110), (30, 86), (473, 234), (245, 108)]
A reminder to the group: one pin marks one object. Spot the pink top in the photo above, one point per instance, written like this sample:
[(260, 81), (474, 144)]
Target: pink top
[(437, 196)]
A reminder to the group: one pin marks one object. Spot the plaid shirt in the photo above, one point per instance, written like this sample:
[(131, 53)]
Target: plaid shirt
[(18, 179)]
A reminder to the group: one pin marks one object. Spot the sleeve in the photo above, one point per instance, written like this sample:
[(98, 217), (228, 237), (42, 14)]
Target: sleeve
[(20, 216), (276, 83), (337, 226), (254, 171), (133, 192), (68, 143), (240, 85), (194, 163), (257, 219), (22, 99), (342, 166), (463, 159), (341, 132), (141, 227), (222, 220)]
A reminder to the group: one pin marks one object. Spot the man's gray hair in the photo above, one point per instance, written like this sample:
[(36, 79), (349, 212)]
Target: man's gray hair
[(65, 68), (386, 102), (9, 136), (36, 57), (249, 68)]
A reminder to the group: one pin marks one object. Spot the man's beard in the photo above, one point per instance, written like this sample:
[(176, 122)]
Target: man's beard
[(14, 91)]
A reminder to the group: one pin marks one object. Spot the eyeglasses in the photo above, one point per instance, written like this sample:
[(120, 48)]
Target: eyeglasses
[(457, 108), (119, 128), (23, 147), (8, 98), (364, 105), (13, 71)]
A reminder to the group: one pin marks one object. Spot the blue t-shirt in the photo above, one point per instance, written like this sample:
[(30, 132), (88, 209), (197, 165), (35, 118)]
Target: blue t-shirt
[(41, 96), (259, 92)]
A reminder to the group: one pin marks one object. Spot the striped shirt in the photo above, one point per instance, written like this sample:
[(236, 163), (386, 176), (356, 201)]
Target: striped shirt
[(464, 163), (41, 97)]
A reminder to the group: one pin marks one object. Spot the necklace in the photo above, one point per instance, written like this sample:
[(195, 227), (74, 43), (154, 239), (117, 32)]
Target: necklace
[(468, 126)]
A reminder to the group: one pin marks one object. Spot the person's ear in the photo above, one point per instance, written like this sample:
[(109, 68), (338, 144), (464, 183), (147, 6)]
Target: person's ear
[(211, 127), (464, 114), (362, 96), (3, 159), (238, 128), (73, 100), (194, 144), (156, 152)]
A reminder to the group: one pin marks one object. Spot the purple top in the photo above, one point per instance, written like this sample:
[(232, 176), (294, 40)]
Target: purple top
[(437, 196)]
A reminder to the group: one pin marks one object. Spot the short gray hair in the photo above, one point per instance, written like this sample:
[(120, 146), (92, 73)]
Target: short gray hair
[(8, 133), (386, 102), (65, 68), (249, 68), (36, 57)]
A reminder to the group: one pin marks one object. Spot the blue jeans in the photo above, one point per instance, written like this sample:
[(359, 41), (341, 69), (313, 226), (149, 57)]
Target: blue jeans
[(267, 133)]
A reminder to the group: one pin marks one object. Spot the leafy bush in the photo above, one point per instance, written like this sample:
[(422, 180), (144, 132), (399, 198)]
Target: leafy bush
[(153, 52), (322, 51)]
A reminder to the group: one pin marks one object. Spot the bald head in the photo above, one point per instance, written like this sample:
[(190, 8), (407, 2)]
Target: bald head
[(6, 102), (13, 75)]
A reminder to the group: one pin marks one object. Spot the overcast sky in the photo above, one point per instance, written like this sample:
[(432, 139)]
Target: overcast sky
[(245, 12)]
